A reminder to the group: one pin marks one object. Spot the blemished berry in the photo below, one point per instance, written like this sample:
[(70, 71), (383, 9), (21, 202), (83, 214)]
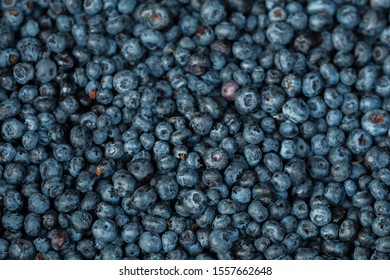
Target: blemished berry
[(229, 89)]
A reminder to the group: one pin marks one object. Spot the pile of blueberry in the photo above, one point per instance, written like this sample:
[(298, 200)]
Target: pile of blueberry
[(194, 129)]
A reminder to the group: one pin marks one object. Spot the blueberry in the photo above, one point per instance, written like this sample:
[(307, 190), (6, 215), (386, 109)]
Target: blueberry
[(13, 201), (253, 134), (21, 249), (216, 158), (311, 84), (343, 39), (38, 203), (202, 123), (132, 50), (244, 250), (45, 70), (379, 256), (12, 221), (335, 248), (212, 12), (12, 129), (104, 230), (273, 230), (272, 99), (377, 158), (67, 201), (279, 209), (241, 195), (291, 242), (366, 78), (376, 122), (32, 224), (242, 50), (279, 33), (150, 242), (381, 225), (306, 229), (221, 240), (194, 201), (42, 244), (320, 215), (304, 253), (229, 131), (252, 154), (296, 110), (382, 245)]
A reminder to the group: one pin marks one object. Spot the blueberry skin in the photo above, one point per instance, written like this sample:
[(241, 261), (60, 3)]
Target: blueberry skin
[(377, 158), (339, 154), (372, 23), (45, 70), (306, 229), (332, 98), (242, 50), (381, 225), (272, 99), (369, 102), (154, 224), (221, 240), (296, 110), (348, 76), (67, 201), (334, 193), (335, 248), (195, 201), (366, 78), (343, 39), (202, 123), (376, 122), (330, 231), (38, 203), (279, 209), (241, 195), (21, 249), (348, 16), (311, 84), (244, 250), (292, 241), (384, 176), (252, 154), (53, 187), (132, 50), (212, 12), (23, 73), (169, 241), (274, 231), (150, 242), (320, 215), (281, 181), (104, 230), (12, 221), (32, 224), (382, 244), (13, 201), (279, 33), (12, 130), (230, 155), (56, 43), (216, 158), (42, 244), (131, 232)]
